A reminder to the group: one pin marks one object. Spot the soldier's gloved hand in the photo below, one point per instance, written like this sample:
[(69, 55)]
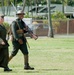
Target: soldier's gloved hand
[(34, 36), (26, 28), (20, 41)]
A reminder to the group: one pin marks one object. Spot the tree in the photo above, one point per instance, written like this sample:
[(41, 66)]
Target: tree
[(3, 8), (71, 2)]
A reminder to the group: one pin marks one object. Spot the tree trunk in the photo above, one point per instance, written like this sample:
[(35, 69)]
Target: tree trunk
[(23, 5), (3, 8), (50, 32)]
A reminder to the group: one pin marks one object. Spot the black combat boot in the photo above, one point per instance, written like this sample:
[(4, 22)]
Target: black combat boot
[(27, 67), (7, 69)]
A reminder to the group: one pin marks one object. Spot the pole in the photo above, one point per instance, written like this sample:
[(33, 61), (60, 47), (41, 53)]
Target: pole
[(14, 7), (63, 6), (68, 27), (23, 4), (8, 7), (3, 7), (50, 32)]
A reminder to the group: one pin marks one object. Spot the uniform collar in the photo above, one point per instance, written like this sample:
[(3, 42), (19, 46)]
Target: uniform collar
[(19, 19)]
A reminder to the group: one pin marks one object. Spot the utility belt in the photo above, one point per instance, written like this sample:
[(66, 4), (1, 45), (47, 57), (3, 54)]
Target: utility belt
[(20, 33)]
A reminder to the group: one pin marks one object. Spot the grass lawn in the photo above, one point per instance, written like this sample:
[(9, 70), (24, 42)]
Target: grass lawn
[(49, 56)]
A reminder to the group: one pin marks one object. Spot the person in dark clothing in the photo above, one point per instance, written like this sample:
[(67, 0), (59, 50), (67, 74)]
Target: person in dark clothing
[(18, 28), (4, 53)]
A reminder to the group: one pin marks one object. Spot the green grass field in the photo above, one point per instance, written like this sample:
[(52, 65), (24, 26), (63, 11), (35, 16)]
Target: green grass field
[(49, 56)]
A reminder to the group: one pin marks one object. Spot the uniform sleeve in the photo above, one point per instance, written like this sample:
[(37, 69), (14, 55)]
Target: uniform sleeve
[(14, 29), (1, 32), (0, 29)]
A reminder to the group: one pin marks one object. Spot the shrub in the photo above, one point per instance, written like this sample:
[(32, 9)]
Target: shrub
[(58, 16), (7, 26)]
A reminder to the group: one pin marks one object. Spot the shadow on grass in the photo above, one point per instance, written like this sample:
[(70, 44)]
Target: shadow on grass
[(35, 71), (51, 69), (44, 70)]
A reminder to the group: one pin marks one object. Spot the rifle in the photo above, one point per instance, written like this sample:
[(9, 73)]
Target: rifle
[(30, 32)]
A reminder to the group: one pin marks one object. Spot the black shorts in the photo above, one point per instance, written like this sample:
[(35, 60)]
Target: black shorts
[(17, 46)]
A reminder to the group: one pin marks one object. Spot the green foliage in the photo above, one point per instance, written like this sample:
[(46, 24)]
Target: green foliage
[(45, 21), (58, 16), (71, 2), (39, 17), (19, 1), (42, 2), (34, 17), (56, 1), (27, 15), (6, 25)]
